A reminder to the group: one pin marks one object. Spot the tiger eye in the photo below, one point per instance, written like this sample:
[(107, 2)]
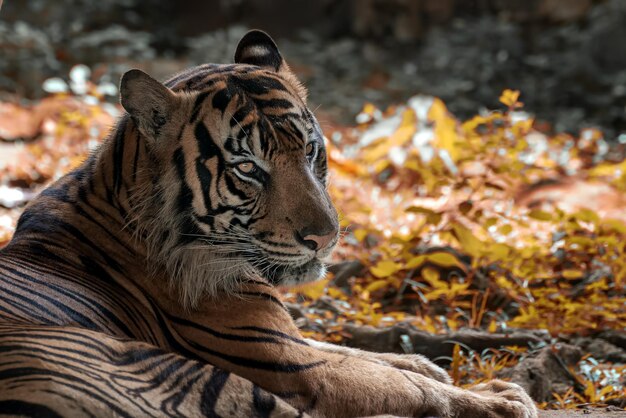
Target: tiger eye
[(246, 167), (310, 148)]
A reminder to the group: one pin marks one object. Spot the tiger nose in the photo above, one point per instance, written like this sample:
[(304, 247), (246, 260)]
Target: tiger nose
[(316, 241)]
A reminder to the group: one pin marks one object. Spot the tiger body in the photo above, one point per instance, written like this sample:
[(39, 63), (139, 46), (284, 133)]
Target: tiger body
[(142, 283)]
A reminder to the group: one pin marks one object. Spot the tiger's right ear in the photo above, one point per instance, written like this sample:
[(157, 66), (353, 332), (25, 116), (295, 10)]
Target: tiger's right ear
[(149, 103), (258, 48)]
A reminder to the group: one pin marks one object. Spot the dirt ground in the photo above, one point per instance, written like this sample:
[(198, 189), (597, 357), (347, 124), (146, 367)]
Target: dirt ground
[(591, 413)]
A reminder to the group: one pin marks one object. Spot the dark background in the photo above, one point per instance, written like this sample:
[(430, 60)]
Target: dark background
[(568, 57)]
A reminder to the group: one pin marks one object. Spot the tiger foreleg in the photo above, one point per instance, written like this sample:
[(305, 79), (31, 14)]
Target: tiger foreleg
[(254, 337), (415, 363)]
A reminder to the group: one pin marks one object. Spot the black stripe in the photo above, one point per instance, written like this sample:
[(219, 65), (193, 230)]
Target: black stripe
[(263, 402), (222, 335), (23, 408), (258, 85), (118, 154), (232, 187), (67, 378), (212, 390), (73, 314), (221, 99), (258, 364), (274, 103), (198, 105), (207, 147), (271, 332)]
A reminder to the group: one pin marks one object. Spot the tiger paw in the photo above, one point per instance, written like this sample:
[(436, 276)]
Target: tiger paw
[(498, 399)]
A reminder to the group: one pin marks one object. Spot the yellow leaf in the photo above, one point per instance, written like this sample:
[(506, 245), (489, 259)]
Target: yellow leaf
[(313, 290), (456, 363), (457, 288), (540, 215), (444, 259), (509, 97), (369, 108), (607, 169), (432, 217), (499, 251), (614, 225), (376, 285), (432, 277), (582, 242), (522, 128), (505, 229), (385, 269), (415, 262), (445, 129), (336, 293), (468, 241), (420, 209), (572, 274), (587, 215), (605, 390), (360, 234)]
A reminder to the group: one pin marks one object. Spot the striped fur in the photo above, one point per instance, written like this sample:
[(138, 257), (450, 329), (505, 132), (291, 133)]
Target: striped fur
[(142, 283)]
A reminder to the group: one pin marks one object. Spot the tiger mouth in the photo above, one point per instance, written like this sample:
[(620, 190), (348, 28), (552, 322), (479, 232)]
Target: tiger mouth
[(312, 270), (281, 273)]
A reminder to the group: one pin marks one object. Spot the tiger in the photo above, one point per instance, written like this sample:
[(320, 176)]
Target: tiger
[(145, 281)]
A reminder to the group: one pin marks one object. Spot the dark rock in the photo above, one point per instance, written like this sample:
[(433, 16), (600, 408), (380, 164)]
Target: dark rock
[(346, 270), (605, 44), (27, 58), (111, 45), (218, 46), (615, 337), (601, 349), (560, 11), (394, 339), (545, 372)]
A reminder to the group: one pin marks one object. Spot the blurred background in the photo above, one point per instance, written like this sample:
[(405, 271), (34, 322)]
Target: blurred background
[(568, 58)]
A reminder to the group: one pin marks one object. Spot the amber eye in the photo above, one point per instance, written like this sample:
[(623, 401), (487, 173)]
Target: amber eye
[(246, 167), (310, 149)]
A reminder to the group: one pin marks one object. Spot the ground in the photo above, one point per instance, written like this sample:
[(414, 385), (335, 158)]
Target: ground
[(589, 413)]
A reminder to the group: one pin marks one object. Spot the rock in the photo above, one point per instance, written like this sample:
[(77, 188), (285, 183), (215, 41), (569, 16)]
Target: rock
[(378, 18), (396, 338), (607, 30), (546, 371), (111, 45), (559, 11), (218, 46), (601, 349), (615, 337), (62, 19), (344, 271), (27, 58)]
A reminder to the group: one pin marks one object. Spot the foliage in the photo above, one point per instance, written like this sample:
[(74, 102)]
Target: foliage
[(451, 224)]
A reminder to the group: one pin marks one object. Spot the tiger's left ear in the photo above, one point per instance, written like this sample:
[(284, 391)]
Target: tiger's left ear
[(258, 48)]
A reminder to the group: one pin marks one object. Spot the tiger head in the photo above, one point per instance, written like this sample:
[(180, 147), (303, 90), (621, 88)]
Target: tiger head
[(235, 173)]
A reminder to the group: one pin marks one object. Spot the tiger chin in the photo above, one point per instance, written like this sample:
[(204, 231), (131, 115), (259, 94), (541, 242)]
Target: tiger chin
[(143, 282)]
